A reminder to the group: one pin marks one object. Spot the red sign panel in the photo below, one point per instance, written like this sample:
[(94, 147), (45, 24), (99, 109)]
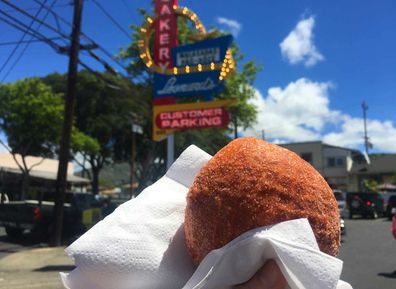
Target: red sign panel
[(165, 32), (194, 118)]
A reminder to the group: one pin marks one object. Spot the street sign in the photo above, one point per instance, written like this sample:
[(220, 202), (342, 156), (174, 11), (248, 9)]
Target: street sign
[(169, 118)]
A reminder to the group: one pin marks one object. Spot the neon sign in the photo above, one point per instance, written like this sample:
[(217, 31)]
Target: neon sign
[(162, 56)]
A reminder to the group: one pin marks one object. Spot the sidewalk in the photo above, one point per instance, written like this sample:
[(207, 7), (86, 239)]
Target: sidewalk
[(35, 268)]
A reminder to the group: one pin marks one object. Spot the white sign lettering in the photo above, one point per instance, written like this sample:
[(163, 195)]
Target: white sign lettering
[(172, 87)]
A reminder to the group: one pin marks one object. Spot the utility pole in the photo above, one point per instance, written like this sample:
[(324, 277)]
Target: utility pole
[(64, 150), (132, 165), (235, 127), (367, 143)]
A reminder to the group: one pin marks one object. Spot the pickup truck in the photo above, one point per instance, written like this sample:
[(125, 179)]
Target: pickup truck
[(81, 211)]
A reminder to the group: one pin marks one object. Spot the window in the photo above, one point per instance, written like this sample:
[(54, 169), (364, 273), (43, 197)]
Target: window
[(335, 162), (307, 157), (340, 162), (331, 162)]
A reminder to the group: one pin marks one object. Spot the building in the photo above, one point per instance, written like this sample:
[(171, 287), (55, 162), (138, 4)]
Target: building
[(381, 168), (332, 162), (43, 175)]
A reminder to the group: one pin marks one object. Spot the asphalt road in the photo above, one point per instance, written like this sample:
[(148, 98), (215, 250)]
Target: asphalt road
[(8, 246), (369, 254)]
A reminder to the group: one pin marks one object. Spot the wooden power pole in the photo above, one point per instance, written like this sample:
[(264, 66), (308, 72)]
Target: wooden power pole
[(64, 150)]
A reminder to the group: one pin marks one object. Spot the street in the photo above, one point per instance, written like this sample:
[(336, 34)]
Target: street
[(8, 246), (369, 254)]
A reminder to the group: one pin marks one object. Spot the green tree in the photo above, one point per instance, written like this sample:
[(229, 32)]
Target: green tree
[(370, 185), (31, 118), (103, 113)]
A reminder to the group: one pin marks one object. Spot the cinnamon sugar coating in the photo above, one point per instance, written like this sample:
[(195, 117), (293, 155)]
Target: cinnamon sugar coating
[(251, 183)]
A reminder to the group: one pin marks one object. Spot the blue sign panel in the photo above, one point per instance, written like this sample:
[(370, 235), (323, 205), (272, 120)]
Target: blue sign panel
[(192, 84), (202, 52)]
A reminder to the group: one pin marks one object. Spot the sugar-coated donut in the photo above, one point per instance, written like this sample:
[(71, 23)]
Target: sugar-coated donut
[(252, 183)]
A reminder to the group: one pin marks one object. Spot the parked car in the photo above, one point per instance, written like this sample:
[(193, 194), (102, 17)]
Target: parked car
[(80, 212), (368, 204), (390, 206), (342, 227), (342, 204)]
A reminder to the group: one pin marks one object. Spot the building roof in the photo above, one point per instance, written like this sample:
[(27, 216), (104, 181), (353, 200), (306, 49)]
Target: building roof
[(321, 143), (41, 168), (378, 164)]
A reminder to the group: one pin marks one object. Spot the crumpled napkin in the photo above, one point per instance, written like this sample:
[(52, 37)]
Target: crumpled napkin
[(141, 245)]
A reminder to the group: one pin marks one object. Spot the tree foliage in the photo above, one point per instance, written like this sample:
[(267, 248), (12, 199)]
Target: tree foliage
[(370, 185), (31, 118), (103, 116)]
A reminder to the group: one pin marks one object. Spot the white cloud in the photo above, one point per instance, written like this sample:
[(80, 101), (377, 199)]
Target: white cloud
[(297, 112), (382, 134), (232, 25), (299, 47), (301, 112)]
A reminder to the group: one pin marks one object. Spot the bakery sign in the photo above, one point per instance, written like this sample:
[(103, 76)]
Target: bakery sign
[(197, 69), (175, 117)]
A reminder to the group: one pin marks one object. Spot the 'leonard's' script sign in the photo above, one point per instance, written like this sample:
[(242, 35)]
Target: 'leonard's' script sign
[(194, 84)]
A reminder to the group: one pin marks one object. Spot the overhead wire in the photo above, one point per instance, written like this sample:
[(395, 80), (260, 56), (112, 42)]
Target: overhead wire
[(19, 43), (36, 19), (49, 9), (115, 22), (22, 27), (59, 49), (108, 54), (56, 46), (19, 57), (35, 8), (26, 41)]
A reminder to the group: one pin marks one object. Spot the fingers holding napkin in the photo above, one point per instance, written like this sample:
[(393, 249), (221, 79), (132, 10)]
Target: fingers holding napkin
[(141, 245)]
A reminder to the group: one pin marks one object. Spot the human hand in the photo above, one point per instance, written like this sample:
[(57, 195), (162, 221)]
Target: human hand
[(268, 277)]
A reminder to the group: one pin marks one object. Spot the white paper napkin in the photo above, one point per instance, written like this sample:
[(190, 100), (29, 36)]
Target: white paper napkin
[(141, 245)]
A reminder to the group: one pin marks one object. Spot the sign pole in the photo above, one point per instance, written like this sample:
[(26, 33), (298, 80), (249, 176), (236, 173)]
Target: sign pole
[(170, 150)]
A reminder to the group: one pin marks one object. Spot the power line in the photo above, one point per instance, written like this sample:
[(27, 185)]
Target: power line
[(108, 54), (59, 49), (35, 8), (128, 8), (22, 27), (112, 19), (54, 45), (26, 41), (27, 44), (19, 43), (35, 18)]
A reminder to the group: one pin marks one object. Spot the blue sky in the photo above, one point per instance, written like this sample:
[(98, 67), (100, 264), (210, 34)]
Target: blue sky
[(321, 60)]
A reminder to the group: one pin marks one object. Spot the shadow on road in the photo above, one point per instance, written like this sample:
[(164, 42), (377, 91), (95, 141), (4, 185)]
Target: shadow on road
[(12, 245), (388, 275), (56, 268), (29, 240)]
